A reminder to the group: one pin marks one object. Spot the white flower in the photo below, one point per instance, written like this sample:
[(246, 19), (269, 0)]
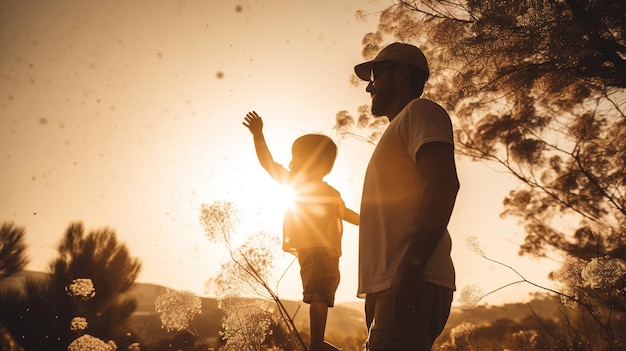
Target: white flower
[(603, 272), (474, 245), (461, 334), (91, 343), (246, 323), (78, 323), (569, 275), (526, 338), (82, 288), (219, 220), (177, 309), (470, 296)]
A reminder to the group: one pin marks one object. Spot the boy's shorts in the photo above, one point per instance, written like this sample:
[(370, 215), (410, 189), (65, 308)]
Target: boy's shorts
[(319, 270)]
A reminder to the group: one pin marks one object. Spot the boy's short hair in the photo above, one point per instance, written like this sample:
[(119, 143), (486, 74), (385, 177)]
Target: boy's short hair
[(320, 150)]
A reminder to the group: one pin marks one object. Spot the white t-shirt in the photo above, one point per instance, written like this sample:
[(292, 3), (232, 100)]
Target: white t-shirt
[(392, 195)]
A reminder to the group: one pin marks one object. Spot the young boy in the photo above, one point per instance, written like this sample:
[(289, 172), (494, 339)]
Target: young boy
[(312, 226)]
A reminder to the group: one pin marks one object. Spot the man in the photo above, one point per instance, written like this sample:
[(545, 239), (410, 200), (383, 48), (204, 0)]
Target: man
[(406, 273)]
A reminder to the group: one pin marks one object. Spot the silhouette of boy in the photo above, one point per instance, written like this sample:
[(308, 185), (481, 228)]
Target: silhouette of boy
[(312, 226)]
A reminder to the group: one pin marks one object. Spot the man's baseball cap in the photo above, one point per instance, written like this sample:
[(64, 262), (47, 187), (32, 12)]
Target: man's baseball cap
[(395, 52)]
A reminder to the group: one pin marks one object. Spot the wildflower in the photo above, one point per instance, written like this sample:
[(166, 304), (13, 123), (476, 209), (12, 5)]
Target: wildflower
[(603, 272), (258, 253), (474, 245), (177, 309), (251, 269), (246, 323), (461, 334), (569, 275), (219, 220), (470, 296), (78, 323), (447, 346), (526, 339), (81, 288), (91, 343)]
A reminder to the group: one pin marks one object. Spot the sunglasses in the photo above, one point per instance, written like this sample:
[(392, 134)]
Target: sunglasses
[(377, 69)]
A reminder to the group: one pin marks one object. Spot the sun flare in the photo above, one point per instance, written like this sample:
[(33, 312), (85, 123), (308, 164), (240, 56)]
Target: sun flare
[(264, 206), (284, 198)]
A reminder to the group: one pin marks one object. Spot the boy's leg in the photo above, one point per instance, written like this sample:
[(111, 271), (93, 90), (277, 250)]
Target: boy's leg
[(319, 269), (318, 313)]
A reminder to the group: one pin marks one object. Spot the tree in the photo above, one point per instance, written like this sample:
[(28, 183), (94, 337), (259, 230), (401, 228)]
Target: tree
[(12, 250), (538, 88), (13, 259), (40, 315)]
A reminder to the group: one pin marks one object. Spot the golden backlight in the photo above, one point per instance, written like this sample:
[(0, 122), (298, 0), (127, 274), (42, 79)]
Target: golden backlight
[(127, 115)]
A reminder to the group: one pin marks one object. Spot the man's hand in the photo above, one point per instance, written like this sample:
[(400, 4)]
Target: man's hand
[(407, 292), (254, 123)]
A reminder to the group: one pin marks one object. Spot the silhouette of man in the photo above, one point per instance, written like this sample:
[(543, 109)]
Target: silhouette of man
[(406, 273)]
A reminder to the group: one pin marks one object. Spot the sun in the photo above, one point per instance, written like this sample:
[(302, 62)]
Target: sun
[(277, 201), (264, 205), (283, 199)]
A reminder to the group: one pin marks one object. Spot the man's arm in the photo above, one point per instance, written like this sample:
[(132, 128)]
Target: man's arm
[(437, 170), (435, 162)]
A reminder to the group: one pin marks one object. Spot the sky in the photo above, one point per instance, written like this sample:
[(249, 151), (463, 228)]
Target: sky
[(127, 115)]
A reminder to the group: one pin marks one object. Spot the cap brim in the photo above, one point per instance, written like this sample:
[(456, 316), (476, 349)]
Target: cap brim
[(363, 70)]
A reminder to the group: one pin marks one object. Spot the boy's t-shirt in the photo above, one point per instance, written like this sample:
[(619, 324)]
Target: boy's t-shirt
[(314, 219)]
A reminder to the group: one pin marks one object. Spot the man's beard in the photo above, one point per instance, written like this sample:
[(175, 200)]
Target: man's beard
[(382, 101)]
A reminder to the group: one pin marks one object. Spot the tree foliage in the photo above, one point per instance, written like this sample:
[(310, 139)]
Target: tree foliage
[(537, 87), (13, 257)]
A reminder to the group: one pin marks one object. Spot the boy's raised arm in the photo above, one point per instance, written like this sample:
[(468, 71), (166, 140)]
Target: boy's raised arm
[(254, 123)]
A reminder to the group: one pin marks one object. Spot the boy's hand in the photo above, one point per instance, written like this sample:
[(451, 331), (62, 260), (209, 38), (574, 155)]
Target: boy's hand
[(254, 123)]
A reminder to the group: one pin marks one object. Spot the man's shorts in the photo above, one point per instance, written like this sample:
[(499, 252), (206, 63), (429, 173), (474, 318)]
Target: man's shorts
[(319, 270), (385, 333)]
